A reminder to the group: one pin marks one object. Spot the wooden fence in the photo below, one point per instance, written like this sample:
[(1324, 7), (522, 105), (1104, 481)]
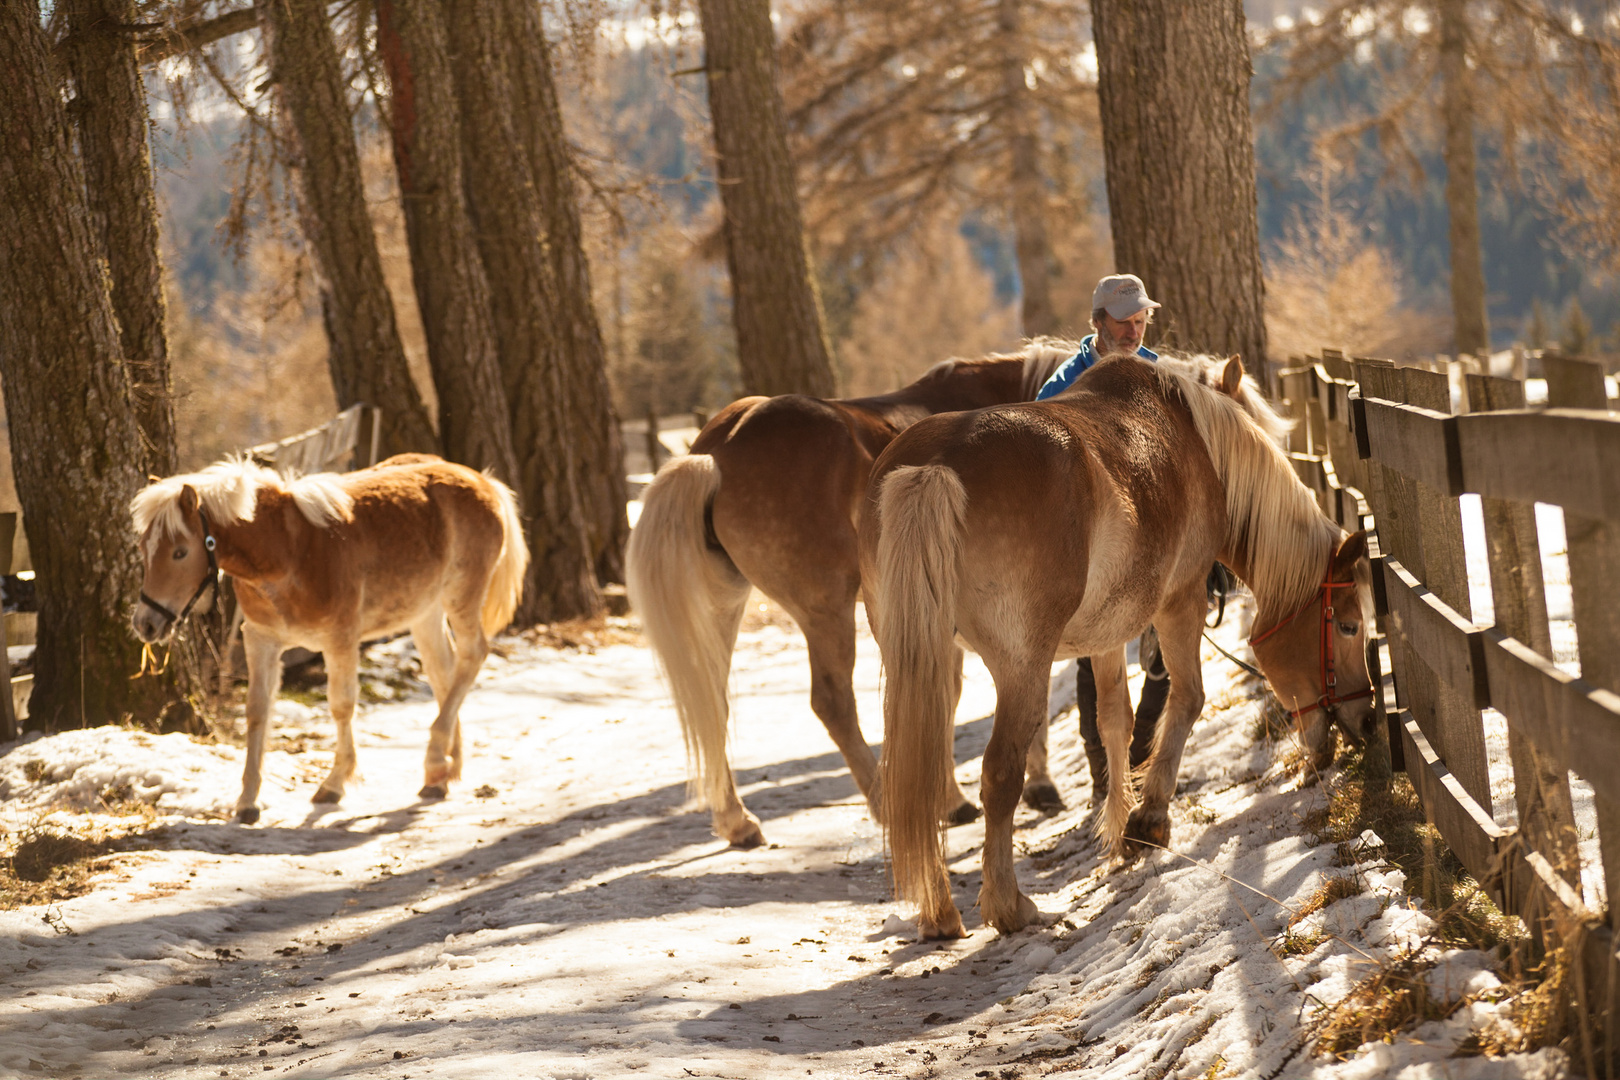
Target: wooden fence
[(1383, 447)]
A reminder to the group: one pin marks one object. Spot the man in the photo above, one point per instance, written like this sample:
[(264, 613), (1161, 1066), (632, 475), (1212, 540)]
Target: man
[(1120, 313)]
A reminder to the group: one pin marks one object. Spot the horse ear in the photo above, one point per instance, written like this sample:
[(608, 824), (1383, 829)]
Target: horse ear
[(1352, 549), (1232, 376), (188, 499)]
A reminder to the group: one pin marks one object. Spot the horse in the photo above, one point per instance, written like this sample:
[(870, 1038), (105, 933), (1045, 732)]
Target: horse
[(1061, 528), (327, 560), (767, 498)]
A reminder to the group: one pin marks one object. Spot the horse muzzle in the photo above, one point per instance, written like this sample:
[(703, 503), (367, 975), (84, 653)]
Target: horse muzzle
[(151, 621)]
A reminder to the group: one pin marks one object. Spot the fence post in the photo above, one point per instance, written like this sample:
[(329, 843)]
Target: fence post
[(653, 445), (1519, 601), (1594, 581)]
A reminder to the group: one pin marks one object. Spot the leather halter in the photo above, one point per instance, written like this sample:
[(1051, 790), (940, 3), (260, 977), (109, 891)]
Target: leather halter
[(1330, 678), (210, 578)]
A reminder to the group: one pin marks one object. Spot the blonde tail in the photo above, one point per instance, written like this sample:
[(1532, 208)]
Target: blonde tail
[(921, 510), (690, 598), (506, 583)]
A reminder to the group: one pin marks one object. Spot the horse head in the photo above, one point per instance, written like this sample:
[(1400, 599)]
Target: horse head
[(180, 568), (1316, 658)]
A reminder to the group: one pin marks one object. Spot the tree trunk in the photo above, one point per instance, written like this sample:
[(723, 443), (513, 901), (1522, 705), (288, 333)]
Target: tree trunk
[(1027, 185), (451, 288), (74, 435), (503, 199), (1173, 90), (110, 110), (781, 343), (365, 356), (598, 453), (1462, 191)]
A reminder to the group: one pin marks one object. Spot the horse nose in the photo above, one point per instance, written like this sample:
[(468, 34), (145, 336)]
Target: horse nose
[(144, 623)]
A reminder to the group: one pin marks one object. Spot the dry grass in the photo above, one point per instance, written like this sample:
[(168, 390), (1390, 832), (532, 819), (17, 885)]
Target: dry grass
[(45, 864), (1393, 998)]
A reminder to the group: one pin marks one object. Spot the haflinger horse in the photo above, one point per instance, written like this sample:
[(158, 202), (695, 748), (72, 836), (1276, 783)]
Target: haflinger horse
[(768, 496), (325, 561), (1061, 528)]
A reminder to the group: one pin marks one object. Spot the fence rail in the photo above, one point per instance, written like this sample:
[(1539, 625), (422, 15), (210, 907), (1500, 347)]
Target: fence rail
[(1382, 445)]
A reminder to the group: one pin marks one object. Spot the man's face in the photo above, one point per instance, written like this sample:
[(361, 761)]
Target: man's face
[(1123, 335)]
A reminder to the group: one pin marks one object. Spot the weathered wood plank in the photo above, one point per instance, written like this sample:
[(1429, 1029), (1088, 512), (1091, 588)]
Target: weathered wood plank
[(1453, 647), (1468, 829), (1414, 442), (1570, 457), (1540, 786), (1572, 721), (1594, 581)]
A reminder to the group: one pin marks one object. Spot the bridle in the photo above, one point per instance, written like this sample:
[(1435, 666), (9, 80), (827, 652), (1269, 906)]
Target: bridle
[(210, 578), (1330, 678)]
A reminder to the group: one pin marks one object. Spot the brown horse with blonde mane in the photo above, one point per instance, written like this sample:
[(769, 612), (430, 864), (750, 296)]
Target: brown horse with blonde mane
[(768, 497), (1061, 528), (325, 561)]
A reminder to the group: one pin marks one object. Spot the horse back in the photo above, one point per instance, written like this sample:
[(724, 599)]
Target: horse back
[(1079, 506), (424, 532)]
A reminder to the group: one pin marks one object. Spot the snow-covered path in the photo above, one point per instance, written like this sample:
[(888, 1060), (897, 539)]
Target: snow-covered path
[(565, 914)]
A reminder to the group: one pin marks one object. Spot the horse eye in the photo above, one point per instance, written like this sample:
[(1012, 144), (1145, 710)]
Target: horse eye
[(179, 553), (1348, 629)]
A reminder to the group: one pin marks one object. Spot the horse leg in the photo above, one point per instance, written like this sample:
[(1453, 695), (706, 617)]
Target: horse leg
[(342, 689), (442, 762), (438, 655), (1021, 697), (831, 640), (263, 654), (1040, 790), (1179, 628), (1114, 723), (958, 808)]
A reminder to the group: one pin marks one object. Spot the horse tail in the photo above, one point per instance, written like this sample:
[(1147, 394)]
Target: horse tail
[(506, 583), (690, 597), (921, 509)]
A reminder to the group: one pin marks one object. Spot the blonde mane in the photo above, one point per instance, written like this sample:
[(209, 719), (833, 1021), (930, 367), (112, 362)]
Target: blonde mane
[(1042, 355), (229, 490), (1274, 523), (1207, 371)]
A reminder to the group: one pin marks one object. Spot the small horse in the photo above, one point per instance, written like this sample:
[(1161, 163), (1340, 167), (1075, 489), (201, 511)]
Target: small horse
[(1062, 528), (327, 560), (768, 497)]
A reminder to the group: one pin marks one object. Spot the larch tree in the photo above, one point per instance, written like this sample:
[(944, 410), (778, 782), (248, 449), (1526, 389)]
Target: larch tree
[(598, 453), (782, 344), (110, 117), (366, 356), (452, 290), (76, 442), (1428, 59), (503, 199), (904, 111), (1173, 96)]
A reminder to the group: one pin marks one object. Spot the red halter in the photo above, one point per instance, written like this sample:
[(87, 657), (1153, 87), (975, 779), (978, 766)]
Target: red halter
[(1330, 679)]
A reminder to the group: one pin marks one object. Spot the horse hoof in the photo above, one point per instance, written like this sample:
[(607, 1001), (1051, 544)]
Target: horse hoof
[(1142, 832), (247, 815), (962, 815), (433, 791), (949, 927), (326, 795), (750, 837), (1043, 797), (1023, 913)]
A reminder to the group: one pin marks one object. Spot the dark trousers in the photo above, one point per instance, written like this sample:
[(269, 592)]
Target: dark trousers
[(1155, 689)]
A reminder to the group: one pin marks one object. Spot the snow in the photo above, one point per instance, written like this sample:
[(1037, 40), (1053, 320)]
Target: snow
[(566, 913)]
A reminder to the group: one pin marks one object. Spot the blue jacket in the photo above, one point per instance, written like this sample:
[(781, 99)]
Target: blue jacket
[(1071, 369)]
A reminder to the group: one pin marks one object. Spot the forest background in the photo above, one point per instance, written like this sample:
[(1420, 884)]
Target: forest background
[(1356, 255)]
